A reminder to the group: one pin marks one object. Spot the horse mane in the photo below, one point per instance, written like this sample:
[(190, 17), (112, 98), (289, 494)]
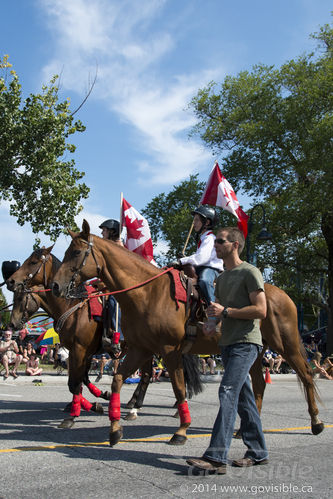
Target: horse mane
[(131, 255)]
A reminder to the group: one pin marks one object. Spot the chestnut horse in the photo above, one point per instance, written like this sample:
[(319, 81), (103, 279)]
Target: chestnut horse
[(80, 334), (152, 322)]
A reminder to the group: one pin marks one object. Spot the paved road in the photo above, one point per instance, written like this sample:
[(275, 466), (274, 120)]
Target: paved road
[(39, 460)]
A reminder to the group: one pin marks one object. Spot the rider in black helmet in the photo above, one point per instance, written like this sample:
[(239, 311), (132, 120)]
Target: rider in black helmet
[(111, 230), (205, 261)]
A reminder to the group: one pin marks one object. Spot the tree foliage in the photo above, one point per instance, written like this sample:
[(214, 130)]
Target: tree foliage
[(36, 176), (274, 128)]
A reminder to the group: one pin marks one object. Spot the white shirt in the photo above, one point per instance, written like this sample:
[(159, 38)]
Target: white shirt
[(205, 254)]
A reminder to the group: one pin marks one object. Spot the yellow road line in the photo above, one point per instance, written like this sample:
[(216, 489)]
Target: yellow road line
[(133, 440)]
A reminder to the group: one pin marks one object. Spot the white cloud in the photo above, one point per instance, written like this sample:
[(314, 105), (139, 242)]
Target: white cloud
[(123, 39)]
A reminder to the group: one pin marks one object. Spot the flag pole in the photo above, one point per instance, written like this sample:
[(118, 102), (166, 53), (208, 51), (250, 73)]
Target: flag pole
[(120, 229), (187, 239)]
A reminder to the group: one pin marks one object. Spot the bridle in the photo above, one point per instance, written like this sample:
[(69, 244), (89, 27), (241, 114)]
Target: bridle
[(31, 275), (71, 288), (27, 295)]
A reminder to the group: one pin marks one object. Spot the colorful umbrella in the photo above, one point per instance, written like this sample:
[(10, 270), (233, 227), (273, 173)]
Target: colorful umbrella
[(50, 337)]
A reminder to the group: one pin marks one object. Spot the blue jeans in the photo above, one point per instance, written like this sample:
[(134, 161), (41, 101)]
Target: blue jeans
[(236, 395), (206, 276)]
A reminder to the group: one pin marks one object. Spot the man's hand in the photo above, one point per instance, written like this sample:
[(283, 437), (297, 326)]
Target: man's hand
[(215, 309)]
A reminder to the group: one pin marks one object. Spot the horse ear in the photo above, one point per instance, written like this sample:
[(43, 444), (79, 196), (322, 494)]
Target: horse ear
[(72, 233), (49, 249), (85, 228)]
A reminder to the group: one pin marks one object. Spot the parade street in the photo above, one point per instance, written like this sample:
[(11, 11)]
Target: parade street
[(39, 460)]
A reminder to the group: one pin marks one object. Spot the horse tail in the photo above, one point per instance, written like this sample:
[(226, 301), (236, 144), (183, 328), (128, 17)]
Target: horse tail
[(309, 371), (192, 378)]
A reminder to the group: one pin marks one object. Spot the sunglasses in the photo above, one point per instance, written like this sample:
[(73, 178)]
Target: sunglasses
[(222, 241)]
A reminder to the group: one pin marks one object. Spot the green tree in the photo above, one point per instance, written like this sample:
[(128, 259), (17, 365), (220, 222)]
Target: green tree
[(4, 313), (36, 175), (274, 129)]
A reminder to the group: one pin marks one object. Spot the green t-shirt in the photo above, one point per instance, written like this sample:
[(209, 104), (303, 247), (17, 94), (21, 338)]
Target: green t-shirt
[(233, 288)]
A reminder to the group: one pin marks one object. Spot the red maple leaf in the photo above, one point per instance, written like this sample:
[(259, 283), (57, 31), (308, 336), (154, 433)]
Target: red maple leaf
[(134, 228)]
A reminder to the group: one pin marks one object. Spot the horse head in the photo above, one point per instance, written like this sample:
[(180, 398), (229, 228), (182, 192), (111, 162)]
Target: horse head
[(78, 265), (33, 272), (24, 306)]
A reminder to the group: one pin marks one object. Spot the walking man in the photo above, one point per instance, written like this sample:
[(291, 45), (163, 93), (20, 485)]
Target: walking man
[(240, 304)]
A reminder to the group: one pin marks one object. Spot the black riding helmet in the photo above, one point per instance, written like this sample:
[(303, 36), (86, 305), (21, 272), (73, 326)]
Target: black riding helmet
[(207, 213), (111, 224)]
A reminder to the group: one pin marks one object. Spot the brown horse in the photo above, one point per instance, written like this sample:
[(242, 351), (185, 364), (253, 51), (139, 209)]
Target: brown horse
[(80, 334), (152, 322)]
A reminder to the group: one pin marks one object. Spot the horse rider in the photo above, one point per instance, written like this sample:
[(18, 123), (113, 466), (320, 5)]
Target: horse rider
[(204, 260), (111, 231)]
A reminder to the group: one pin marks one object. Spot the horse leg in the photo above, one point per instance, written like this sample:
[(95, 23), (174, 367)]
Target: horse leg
[(133, 360), (138, 396), (174, 364), (76, 373), (303, 371), (258, 380)]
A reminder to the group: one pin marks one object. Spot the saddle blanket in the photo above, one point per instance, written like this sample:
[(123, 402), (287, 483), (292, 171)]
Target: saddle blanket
[(96, 308), (179, 290)]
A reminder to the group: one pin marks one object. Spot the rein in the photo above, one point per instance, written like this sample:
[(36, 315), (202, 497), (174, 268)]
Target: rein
[(93, 295), (69, 312)]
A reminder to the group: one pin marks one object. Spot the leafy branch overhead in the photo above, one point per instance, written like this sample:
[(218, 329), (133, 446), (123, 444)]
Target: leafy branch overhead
[(37, 176)]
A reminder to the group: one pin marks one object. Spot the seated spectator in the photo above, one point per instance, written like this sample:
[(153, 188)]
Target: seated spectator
[(272, 360), (159, 369), (207, 361), (328, 366), (9, 354), (32, 366), (27, 352), (43, 352), (317, 368), (22, 340), (102, 361)]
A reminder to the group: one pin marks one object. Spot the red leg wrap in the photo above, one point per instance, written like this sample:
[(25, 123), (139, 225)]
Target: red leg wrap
[(114, 407), (184, 413), (85, 404), (76, 406), (94, 390)]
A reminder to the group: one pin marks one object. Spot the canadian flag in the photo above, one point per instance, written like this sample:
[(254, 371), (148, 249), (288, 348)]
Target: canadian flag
[(218, 192), (138, 238)]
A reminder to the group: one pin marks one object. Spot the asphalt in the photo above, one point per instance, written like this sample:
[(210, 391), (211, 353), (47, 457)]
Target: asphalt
[(53, 378)]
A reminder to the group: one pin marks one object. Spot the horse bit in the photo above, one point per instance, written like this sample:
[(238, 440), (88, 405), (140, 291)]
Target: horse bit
[(73, 291)]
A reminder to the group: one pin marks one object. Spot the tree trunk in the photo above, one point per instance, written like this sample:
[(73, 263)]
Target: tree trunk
[(327, 229)]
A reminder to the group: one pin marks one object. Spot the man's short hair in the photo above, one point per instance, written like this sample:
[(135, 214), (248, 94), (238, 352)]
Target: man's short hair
[(234, 234)]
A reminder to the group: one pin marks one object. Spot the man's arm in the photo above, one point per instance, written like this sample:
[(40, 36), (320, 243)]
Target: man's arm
[(257, 309)]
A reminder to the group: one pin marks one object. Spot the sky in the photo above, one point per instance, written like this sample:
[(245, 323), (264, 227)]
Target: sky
[(150, 57)]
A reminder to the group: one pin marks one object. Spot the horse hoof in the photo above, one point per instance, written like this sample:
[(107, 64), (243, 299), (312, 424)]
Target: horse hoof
[(98, 408), (317, 428), (105, 395), (67, 423), (131, 416), (115, 437), (68, 407), (238, 435), (177, 440)]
